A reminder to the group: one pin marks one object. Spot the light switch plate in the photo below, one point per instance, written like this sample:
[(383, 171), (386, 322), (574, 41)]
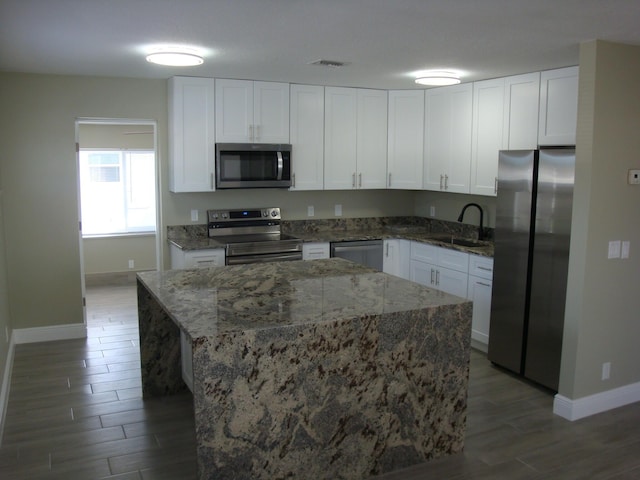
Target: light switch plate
[(626, 245), (338, 210), (194, 215), (614, 249), (310, 211)]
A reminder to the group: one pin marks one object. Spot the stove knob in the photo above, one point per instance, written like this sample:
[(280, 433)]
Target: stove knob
[(224, 215), (274, 213), (215, 216), (265, 213)]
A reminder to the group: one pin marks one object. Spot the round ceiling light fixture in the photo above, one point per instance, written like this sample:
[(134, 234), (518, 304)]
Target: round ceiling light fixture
[(175, 57), (437, 78)]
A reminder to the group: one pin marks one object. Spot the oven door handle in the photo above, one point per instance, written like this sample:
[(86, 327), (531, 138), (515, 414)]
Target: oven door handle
[(276, 257), (280, 166)]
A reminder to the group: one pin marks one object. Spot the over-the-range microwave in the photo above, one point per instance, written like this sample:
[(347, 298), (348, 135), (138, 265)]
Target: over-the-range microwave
[(253, 165)]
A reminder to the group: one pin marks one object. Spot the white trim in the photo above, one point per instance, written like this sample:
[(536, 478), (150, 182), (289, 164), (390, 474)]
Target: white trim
[(597, 403), (48, 334), (6, 383)]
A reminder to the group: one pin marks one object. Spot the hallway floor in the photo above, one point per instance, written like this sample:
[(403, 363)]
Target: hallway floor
[(75, 412)]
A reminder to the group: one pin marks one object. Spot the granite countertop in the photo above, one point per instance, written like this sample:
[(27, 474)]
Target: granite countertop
[(208, 302), (417, 234)]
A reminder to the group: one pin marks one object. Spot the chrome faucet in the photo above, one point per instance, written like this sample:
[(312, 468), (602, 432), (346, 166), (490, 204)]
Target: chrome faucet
[(480, 229)]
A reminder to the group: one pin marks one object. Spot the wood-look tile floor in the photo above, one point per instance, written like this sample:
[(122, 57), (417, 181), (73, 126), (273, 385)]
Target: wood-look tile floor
[(75, 412)]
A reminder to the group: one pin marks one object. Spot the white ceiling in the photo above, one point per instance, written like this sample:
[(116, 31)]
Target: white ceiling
[(384, 41)]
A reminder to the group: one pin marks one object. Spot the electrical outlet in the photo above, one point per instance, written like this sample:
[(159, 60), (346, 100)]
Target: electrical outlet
[(606, 370), (634, 177), (194, 215), (614, 249), (338, 210), (432, 211), (310, 211), (131, 263)]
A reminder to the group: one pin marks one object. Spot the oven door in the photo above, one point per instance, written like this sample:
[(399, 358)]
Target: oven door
[(264, 258), (240, 165)]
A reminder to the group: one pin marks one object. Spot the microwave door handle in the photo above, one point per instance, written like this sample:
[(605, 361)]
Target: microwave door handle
[(280, 166)]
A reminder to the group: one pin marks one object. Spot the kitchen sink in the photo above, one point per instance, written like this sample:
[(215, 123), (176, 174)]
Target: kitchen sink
[(463, 242)]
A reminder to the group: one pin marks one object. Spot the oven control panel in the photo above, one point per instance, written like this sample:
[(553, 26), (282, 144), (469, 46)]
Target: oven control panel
[(243, 214)]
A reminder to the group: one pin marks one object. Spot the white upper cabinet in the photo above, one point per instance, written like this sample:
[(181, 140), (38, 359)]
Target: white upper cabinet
[(488, 131), (558, 106), (447, 138), (372, 139), (252, 112), (307, 137), (191, 134), (340, 144), (406, 139), (355, 138), (521, 106)]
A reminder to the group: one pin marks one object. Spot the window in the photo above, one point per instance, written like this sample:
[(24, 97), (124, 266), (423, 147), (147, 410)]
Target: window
[(117, 189)]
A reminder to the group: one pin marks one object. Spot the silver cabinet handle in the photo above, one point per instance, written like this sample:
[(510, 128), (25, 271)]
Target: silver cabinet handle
[(389, 179), (479, 267), (293, 180), (387, 253), (353, 180), (257, 132), (432, 272), (484, 284), (495, 185), (437, 277), (440, 181), (360, 180), (446, 182)]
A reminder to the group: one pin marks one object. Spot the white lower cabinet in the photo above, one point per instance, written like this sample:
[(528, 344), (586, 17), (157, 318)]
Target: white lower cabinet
[(213, 257), (315, 250), (480, 284), (397, 257), (441, 268)]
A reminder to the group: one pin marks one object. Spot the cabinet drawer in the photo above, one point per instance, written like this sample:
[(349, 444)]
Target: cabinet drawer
[(481, 266), (204, 258), (315, 251)]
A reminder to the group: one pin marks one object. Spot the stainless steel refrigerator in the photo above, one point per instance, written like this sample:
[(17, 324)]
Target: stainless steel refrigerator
[(532, 233)]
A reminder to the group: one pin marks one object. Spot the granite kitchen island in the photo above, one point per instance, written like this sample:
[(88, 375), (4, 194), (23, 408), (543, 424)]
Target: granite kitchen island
[(323, 369)]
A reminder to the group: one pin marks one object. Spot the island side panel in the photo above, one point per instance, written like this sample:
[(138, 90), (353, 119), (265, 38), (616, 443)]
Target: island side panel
[(159, 348), (334, 400)]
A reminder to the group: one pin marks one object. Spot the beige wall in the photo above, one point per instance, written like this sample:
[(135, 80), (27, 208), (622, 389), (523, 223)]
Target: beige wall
[(5, 320), (112, 254), (602, 323), (39, 180)]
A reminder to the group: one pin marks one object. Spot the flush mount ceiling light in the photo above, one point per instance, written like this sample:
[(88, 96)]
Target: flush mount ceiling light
[(437, 78), (175, 57)]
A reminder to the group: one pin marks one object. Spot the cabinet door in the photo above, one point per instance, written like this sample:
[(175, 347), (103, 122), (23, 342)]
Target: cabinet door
[(234, 111), (452, 281), (340, 148), (488, 118), (372, 139), (424, 252), (480, 293), (521, 105), (453, 259), (270, 112), (307, 137), (423, 273), (406, 134), (191, 134), (396, 260), (447, 146), (558, 107)]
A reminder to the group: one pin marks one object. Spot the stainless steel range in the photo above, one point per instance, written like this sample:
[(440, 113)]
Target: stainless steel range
[(252, 236)]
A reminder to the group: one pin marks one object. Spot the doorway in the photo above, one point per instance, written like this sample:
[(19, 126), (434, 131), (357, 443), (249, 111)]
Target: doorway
[(119, 202)]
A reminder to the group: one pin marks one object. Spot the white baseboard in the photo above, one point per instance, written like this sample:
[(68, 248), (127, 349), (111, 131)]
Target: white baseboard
[(6, 382), (49, 334), (597, 403)]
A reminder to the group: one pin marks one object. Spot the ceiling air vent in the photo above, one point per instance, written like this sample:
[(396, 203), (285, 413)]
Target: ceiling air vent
[(329, 63)]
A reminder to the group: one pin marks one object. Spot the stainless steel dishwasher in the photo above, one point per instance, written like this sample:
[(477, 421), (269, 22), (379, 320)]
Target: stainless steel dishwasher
[(366, 252)]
